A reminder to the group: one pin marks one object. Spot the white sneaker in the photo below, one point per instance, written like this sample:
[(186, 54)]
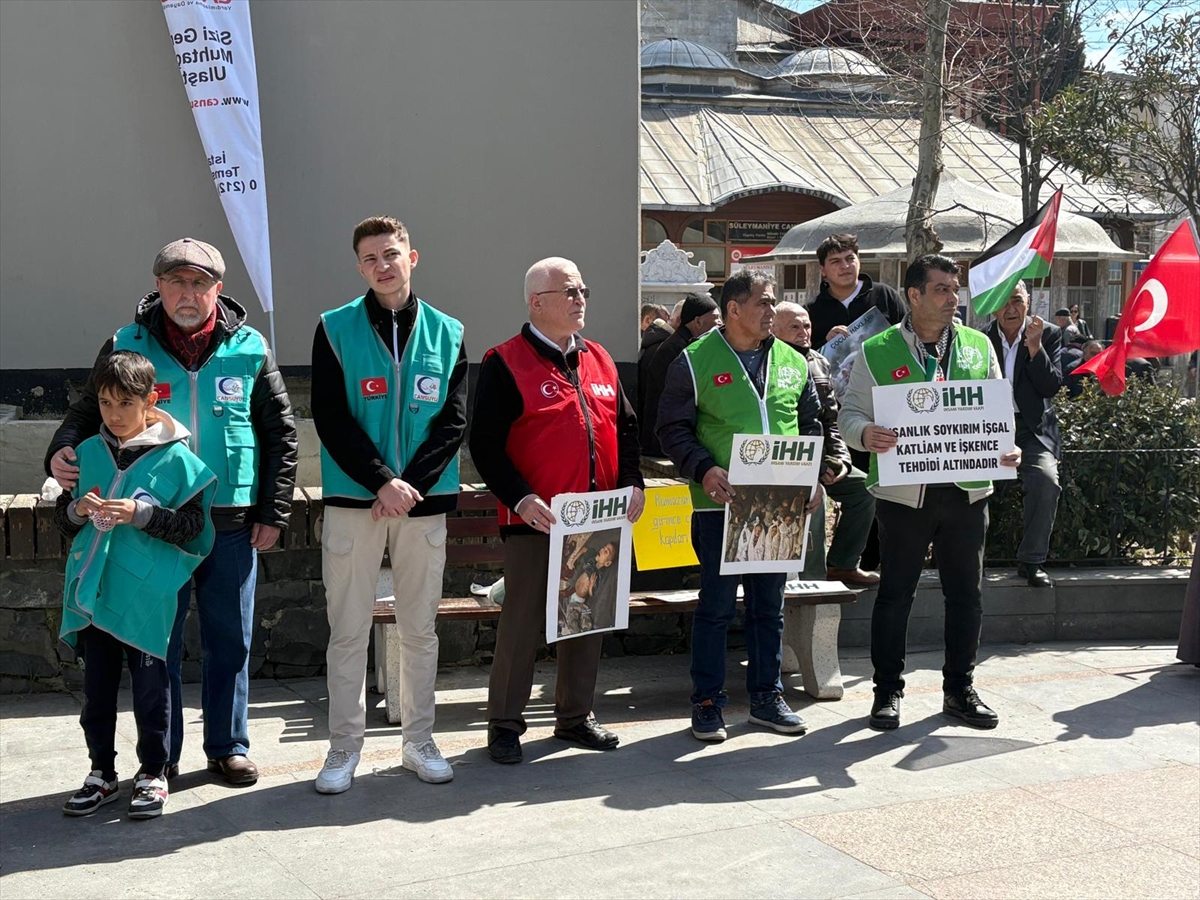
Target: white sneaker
[(337, 774), (426, 760)]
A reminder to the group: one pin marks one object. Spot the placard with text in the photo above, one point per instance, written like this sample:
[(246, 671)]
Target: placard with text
[(947, 431)]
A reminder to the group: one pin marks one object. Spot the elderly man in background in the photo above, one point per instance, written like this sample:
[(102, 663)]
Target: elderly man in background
[(217, 375), (843, 482), (550, 418), (1030, 353)]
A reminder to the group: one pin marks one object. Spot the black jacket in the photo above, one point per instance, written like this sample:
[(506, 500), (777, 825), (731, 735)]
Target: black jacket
[(651, 338), (826, 311), (270, 414), (354, 452), (498, 405), (837, 454), (677, 419), (656, 379), (1035, 381)]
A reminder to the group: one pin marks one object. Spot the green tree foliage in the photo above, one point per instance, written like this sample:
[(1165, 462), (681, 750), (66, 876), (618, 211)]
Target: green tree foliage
[(1139, 131), (1134, 491)]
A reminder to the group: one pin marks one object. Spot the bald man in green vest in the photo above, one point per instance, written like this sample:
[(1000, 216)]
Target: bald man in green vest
[(928, 345), (735, 380)]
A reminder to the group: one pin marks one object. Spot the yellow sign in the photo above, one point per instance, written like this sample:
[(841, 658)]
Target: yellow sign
[(662, 537)]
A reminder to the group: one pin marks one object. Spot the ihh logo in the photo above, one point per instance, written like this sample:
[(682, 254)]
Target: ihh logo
[(604, 390), (795, 451), (962, 397), (610, 508)]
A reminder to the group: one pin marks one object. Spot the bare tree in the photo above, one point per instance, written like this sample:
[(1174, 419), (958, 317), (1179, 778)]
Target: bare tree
[(919, 234)]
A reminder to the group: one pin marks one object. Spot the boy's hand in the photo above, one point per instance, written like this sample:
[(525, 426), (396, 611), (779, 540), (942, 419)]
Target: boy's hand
[(89, 503), (119, 512)]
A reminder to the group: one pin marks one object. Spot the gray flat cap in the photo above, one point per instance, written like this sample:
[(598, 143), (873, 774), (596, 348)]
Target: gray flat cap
[(189, 252)]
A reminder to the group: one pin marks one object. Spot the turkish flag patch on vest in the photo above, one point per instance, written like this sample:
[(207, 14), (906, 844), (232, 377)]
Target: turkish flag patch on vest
[(723, 379), (900, 373), (373, 387), (163, 389)]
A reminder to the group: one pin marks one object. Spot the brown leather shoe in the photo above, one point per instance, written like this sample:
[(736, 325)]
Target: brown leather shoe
[(856, 577), (235, 769)]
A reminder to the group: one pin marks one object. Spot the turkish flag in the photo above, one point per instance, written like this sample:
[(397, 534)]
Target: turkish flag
[(723, 379), (899, 373), (372, 387), (1161, 316), (163, 389)]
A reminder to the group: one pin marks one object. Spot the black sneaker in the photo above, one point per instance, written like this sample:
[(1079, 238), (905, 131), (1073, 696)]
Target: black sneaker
[(149, 796), (885, 711), (707, 722), (777, 715), (589, 733), (504, 745), (967, 706), (94, 794)]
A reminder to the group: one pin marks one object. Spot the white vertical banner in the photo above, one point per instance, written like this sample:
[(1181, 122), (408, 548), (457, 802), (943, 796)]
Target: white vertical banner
[(214, 48)]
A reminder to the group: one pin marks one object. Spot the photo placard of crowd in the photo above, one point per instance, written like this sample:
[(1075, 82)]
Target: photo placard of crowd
[(843, 350), (587, 590), (947, 431), (766, 527)]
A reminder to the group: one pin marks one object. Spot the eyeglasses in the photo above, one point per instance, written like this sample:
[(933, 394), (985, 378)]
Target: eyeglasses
[(572, 293), (200, 285)]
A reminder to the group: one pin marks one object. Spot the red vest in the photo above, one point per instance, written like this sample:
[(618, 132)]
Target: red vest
[(565, 428)]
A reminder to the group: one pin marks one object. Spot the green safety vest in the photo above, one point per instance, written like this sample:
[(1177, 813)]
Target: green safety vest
[(214, 402), (394, 403), (124, 581), (727, 403), (892, 361)]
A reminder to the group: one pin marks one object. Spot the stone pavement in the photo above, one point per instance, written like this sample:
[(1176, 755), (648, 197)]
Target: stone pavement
[(1089, 788)]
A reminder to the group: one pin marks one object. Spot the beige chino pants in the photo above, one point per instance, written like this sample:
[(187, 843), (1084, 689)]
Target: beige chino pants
[(351, 549)]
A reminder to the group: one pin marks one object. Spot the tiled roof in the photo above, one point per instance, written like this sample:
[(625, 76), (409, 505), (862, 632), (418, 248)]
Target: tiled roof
[(700, 157)]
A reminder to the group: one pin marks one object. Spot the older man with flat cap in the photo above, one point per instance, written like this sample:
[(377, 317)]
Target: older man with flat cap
[(217, 375), (550, 418)]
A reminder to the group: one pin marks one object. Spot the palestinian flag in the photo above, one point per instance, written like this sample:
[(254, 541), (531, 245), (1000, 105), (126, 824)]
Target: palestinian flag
[(1025, 252)]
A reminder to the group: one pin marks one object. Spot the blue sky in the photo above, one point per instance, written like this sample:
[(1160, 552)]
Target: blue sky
[(1096, 35)]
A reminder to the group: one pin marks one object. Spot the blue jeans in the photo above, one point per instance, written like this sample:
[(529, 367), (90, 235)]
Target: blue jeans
[(763, 602), (225, 601)]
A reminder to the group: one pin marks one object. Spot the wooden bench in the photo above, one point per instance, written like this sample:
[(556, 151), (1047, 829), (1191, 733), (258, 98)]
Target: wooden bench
[(811, 617)]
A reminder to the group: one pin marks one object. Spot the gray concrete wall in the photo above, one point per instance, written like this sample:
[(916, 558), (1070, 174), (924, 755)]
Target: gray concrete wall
[(500, 132)]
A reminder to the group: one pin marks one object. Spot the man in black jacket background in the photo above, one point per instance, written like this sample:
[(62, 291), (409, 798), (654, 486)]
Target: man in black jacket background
[(198, 328), (697, 316), (1030, 353)]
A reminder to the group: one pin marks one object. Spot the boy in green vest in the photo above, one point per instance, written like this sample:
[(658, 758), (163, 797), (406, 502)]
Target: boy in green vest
[(928, 345), (139, 530)]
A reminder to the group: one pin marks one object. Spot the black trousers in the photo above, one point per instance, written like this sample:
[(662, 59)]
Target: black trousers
[(103, 658), (957, 530)]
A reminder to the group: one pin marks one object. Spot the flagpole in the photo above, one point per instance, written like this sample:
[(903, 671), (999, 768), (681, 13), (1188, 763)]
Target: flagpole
[(271, 325)]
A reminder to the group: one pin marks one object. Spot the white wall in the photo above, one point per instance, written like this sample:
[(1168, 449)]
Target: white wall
[(499, 131)]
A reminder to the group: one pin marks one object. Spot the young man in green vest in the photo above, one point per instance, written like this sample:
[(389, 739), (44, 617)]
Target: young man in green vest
[(928, 345), (217, 375), (389, 400), (735, 380)]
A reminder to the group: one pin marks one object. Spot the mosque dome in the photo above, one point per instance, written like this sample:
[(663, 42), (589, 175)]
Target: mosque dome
[(818, 62), (675, 53)]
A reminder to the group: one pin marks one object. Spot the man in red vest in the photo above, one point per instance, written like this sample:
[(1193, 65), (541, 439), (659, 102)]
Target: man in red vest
[(550, 418)]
